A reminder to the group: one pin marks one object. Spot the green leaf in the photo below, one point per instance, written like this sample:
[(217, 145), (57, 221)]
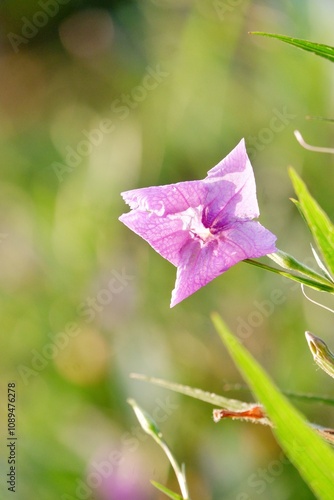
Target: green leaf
[(146, 421), (305, 449), (310, 398), (317, 220), (208, 397), (167, 491), (319, 49), (221, 401), (321, 265), (321, 118), (234, 405)]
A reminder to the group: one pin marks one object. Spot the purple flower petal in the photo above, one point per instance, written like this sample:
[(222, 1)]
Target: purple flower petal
[(243, 240), (202, 227), (164, 235), (165, 200), (234, 195)]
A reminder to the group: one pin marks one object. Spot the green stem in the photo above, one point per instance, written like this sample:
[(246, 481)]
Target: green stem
[(323, 286), (177, 469), (150, 427), (289, 263)]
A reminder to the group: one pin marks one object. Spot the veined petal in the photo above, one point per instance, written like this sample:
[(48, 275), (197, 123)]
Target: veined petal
[(165, 235), (252, 239), (234, 170), (165, 200), (201, 264), (202, 227)]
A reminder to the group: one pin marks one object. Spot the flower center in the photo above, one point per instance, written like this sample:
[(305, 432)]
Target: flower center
[(192, 222)]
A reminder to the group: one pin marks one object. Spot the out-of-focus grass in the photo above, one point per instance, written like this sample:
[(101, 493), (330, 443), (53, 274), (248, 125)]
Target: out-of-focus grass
[(61, 243)]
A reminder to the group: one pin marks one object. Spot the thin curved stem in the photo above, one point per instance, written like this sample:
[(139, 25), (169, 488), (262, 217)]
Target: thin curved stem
[(305, 145)]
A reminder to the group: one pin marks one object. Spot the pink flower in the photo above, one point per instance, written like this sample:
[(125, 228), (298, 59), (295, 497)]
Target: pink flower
[(202, 227)]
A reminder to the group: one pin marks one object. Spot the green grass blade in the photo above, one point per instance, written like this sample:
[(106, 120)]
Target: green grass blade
[(166, 491), (221, 401), (319, 49), (317, 220), (321, 265), (320, 118), (207, 397), (306, 450), (305, 397), (235, 405), (309, 398)]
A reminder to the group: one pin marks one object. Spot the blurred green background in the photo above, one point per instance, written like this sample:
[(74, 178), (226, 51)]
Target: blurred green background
[(101, 97)]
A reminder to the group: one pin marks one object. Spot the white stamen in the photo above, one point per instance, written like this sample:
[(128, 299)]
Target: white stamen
[(192, 222)]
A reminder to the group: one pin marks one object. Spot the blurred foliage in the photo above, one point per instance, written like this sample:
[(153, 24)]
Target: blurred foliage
[(100, 97)]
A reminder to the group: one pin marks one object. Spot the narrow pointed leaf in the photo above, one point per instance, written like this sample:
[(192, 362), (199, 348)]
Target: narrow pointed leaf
[(310, 398), (317, 220), (146, 421), (208, 397), (307, 451), (319, 49), (234, 405), (321, 265), (306, 397), (321, 118), (227, 403), (167, 491)]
